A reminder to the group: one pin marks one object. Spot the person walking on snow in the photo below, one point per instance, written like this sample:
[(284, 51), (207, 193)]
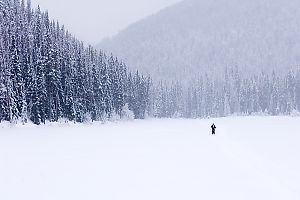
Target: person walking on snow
[(213, 129)]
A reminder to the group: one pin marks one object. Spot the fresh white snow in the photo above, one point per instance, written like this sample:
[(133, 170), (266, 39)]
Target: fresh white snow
[(158, 159)]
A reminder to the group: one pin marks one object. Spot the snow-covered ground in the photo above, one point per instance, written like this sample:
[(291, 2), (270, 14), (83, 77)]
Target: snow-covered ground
[(170, 159)]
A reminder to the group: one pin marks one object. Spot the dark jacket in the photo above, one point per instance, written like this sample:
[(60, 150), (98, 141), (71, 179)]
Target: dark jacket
[(213, 127)]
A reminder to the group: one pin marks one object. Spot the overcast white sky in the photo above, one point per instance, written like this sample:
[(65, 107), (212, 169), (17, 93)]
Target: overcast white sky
[(93, 20)]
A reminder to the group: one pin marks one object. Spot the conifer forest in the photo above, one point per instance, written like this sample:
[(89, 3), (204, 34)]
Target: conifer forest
[(46, 74)]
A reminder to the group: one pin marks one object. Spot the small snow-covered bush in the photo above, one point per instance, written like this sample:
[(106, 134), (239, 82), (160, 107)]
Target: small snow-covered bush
[(295, 113), (127, 114), (87, 118), (114, 117)]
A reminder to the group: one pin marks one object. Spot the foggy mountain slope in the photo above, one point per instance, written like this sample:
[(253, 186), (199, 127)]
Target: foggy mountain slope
[(196, 36)]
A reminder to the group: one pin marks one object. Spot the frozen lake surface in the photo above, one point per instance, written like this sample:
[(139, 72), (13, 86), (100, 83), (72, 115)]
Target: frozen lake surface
[(156, 159)]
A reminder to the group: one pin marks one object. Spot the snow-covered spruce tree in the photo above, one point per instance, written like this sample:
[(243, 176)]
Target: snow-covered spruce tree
[(138, 90), (297, 91)]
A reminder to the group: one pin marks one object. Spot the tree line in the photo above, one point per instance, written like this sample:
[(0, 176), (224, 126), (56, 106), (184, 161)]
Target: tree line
[(47, 74), (232, 93)]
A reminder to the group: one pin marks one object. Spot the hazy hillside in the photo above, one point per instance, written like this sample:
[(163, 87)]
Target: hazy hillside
[(197, 36)]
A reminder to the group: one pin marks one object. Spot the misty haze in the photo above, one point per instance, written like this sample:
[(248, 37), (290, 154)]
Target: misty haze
[(161, 99)]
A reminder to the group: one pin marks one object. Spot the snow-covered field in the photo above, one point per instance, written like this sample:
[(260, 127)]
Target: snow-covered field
[(249, 158)]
